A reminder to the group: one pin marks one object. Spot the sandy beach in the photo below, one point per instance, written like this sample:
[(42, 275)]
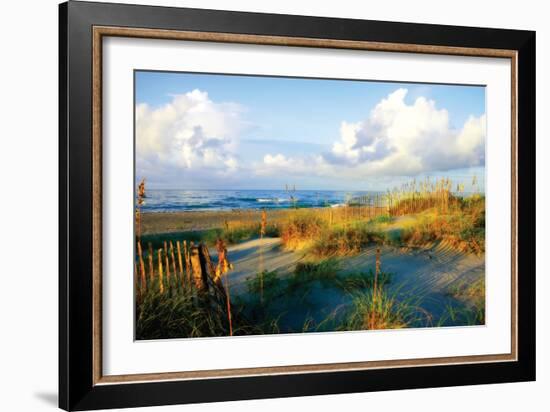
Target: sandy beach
[(170, 222)]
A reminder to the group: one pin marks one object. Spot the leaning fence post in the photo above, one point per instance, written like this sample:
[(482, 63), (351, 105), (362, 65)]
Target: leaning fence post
[(196, 268), (204, 266), (208, 262)]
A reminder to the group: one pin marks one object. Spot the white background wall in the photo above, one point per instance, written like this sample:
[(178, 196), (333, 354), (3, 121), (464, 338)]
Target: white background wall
[(28, 203)]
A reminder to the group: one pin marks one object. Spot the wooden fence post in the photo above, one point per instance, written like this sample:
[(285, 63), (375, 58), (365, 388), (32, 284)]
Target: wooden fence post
[(173, 262), (208, 265), (180, 264), (187, 258), (196, 268), (204, 265), (161, 280)]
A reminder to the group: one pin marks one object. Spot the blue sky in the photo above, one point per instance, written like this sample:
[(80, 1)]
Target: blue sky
[(270, 130)]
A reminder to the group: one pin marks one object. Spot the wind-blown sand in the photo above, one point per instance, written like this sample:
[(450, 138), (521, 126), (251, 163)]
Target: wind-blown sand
[(422, 273)]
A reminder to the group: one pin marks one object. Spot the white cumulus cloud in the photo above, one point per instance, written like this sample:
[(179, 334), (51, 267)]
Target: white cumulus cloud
[(190, 133), (405, 139)]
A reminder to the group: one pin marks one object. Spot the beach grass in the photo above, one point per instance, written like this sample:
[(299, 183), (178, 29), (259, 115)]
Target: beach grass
[(186, 315), (343, 241), (164, 316), (472, 294), (301, 230), (378, 311), (462, 228)]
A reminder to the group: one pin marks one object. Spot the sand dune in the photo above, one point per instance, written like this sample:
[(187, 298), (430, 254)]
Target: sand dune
[(422, 273), (253, 256)]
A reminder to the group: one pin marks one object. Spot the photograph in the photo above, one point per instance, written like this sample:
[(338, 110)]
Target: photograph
[(278, 205)]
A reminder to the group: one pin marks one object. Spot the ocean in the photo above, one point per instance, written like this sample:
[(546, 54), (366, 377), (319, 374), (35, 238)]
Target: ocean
[(185, 200)]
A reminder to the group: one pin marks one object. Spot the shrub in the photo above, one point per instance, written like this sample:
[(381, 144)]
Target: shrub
[(463, 228), (343, 241), (301, 230)]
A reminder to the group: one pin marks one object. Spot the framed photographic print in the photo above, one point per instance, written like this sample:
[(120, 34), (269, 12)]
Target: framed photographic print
[(256, 205)]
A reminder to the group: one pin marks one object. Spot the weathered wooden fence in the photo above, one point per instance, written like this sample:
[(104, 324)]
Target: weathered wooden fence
[(184, 268), (181, 267)]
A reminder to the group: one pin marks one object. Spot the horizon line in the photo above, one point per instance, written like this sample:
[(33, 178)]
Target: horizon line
[(289, 190)]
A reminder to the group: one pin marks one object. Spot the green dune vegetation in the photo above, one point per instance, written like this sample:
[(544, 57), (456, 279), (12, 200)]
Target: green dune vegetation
[(411, 257)]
